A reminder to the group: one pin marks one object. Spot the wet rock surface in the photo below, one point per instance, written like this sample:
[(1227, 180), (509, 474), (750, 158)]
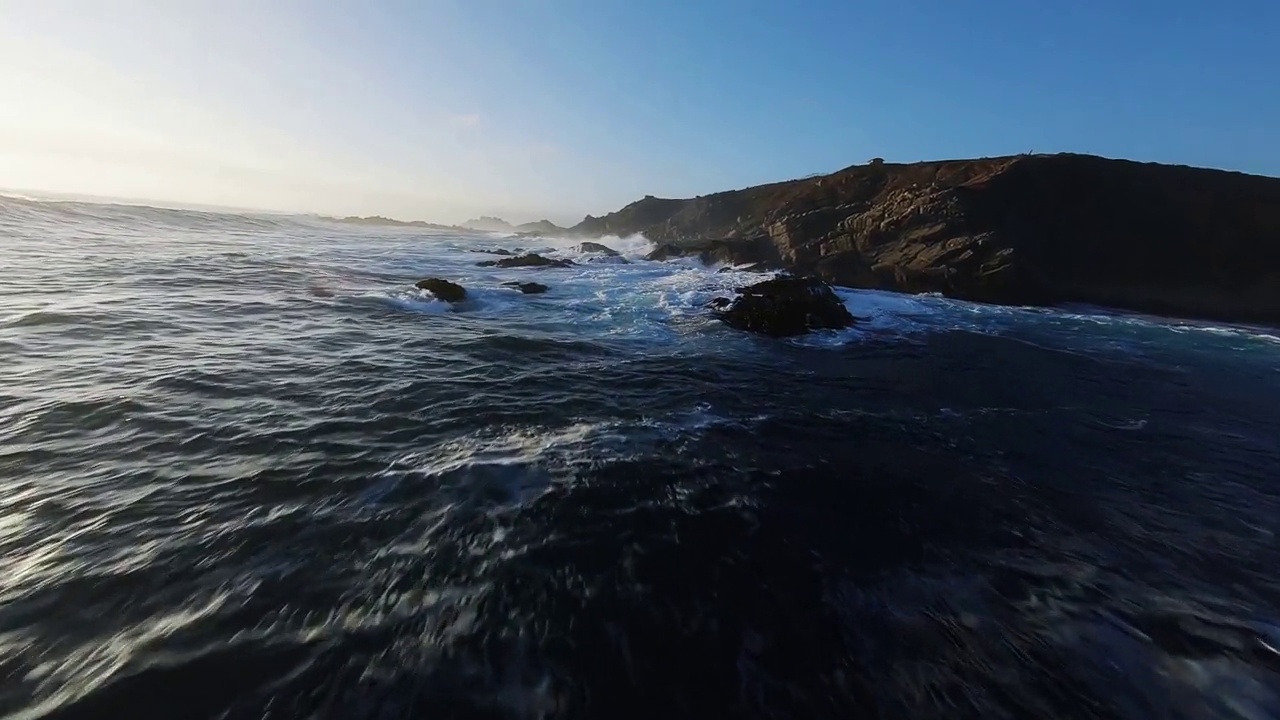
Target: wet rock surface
[(530, 260), (666, 251), (784, 306), (528, 288), (443, 289), (595, 247)]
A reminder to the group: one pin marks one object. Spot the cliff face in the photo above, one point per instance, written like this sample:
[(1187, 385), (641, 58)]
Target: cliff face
[(1016, 230)]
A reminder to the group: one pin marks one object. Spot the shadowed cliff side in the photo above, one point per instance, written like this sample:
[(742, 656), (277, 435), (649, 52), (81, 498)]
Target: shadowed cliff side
[(1015, 230)]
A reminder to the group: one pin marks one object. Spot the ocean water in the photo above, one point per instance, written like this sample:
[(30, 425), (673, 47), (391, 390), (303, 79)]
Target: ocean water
[(248, 471)]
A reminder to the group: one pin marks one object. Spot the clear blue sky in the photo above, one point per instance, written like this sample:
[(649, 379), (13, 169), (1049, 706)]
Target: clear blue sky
[(442, 109)]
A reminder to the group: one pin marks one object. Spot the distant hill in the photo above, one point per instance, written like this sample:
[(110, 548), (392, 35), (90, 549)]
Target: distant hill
[(489, 224), (544, 227), (379, 220), (485, 223)]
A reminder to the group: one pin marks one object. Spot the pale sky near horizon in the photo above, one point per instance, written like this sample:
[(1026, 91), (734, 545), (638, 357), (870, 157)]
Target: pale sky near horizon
[(446, 109)]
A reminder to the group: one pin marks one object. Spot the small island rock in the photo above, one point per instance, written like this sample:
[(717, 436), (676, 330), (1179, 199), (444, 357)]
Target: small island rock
[(595, 247), (530, 260), (528, 288), (784, 306), (443, 289)]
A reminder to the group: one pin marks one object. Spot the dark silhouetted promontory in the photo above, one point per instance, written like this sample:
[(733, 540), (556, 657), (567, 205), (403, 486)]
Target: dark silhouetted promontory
[(1032, 229)]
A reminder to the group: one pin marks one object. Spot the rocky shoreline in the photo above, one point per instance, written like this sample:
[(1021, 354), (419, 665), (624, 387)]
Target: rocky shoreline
[(778, 307), (1021, 230)]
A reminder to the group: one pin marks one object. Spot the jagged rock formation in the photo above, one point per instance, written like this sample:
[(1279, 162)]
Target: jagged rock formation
[(595, 247)]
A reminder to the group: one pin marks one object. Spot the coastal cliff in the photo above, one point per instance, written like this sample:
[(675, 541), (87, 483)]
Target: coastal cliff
[(1033, 229)]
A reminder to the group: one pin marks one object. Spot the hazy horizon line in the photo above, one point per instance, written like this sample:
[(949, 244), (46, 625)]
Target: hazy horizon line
[(38, 195)]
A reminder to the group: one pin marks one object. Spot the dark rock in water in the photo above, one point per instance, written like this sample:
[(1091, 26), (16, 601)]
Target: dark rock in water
[(528, 288), (595, 247), (609, 260), (784, 306), (666, 251), (492, 251), (530, 260), (443, 289)]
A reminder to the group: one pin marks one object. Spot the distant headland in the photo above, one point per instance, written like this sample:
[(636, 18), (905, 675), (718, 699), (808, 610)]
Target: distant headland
[(481, 224)]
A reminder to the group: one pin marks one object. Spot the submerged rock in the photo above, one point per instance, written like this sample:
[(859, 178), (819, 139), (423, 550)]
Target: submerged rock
[(784, 306), (491, 251), (595, 247), (443, 289), (530, 260), (528, 288)]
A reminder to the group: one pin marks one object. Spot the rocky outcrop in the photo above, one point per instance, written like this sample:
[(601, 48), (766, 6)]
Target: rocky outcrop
[(784, 306), (757, 251), (1036, 229), (666, 251), (528, 288), (443, 289), (530, 260), (595, 247)]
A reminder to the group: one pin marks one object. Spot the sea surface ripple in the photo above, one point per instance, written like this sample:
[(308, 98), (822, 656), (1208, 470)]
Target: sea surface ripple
[(247, 470)]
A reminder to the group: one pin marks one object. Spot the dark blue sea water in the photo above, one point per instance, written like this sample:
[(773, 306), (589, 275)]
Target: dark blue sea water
[(248, 471)]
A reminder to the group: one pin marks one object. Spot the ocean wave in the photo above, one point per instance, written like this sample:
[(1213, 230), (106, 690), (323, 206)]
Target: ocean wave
[(38, 318)]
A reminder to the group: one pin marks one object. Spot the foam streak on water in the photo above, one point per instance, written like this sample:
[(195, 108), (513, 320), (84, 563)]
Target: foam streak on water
[(247, 470)]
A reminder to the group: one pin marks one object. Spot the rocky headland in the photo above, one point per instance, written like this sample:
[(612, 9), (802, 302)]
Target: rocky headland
[(1022, 230)]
